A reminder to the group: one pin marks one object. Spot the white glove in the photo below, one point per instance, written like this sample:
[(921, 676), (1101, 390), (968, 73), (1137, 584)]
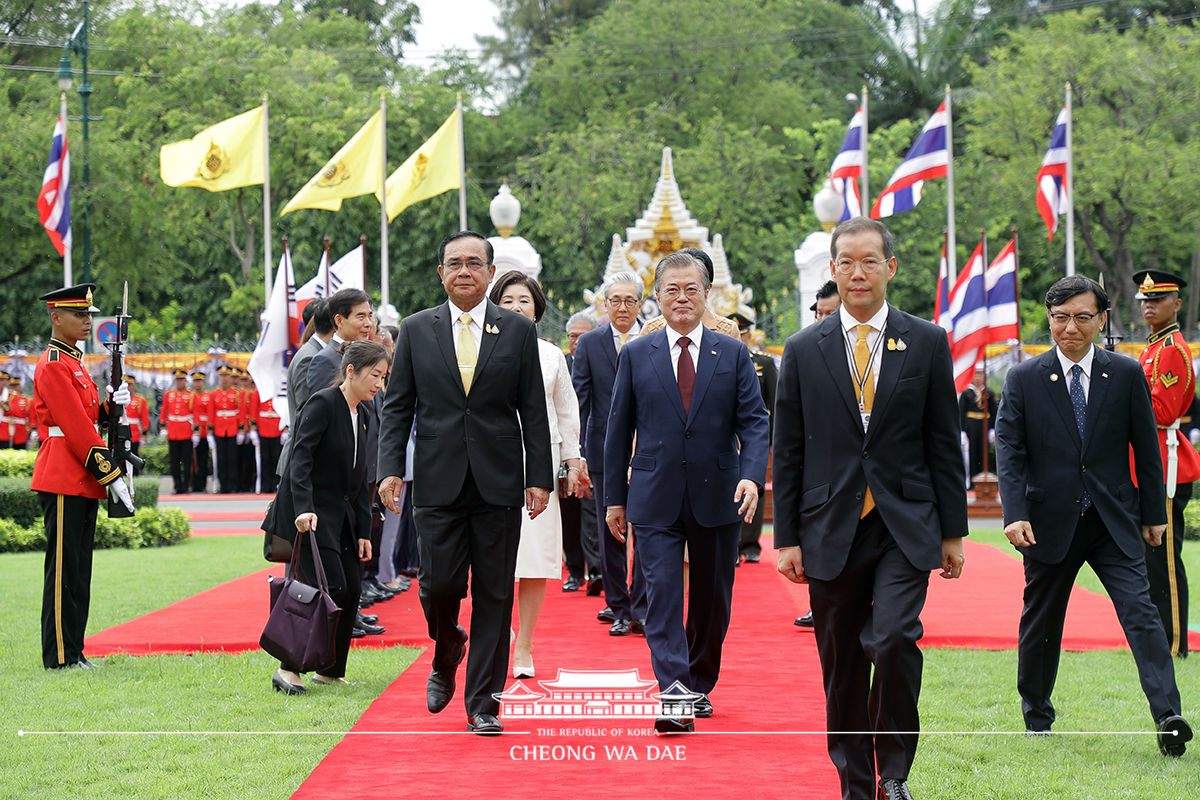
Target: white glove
[(162, 434), (241, 438), (195, 440), (120, 491), (283, 437), (254, 438), (212, 442), (121, 396)]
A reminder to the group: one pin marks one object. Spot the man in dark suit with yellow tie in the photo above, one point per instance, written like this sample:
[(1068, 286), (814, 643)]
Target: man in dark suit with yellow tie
[(1068, 420), (869, 499), (467, 372)]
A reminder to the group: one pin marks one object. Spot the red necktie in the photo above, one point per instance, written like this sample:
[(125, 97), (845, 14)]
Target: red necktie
[(686, 372)]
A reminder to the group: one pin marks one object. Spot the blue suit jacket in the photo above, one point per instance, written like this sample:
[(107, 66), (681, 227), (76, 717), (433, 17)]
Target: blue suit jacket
[(1044, 466), (593, 372), (698, 454)]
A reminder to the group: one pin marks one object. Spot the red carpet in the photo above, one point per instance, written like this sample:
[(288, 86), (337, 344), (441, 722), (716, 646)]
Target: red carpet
[(216, 498), (766, 736), (224, 516), (246, 531)]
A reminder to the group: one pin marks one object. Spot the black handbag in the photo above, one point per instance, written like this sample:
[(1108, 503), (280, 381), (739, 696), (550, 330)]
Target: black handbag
[(275, 547), (300, 631)]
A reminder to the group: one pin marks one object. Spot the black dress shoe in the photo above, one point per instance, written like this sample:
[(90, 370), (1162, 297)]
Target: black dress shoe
[(485, 725), (752, 558), (282, 684), (893, 789), (638, 626), (606, 615), (1173, 735), (674, 725), (369, 619), (805, 622), (357, 632), (595, 585), (371, 630), (409, 572), (85, 664), (702, 707), (621, 627), (440, 688), (571, 584)]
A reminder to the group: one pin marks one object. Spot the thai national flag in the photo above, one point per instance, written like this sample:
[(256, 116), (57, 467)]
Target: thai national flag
[(941, 306), (848, 165), (1052, 199), (1003, 321), (54, 200), (927, 158), (969, 306)]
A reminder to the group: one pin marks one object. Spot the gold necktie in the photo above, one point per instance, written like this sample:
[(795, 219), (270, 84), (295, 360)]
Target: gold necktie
[(624, 337), (466, 352), (864, 392)]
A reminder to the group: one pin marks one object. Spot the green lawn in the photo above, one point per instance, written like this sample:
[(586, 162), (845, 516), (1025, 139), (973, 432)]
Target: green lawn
[(220, 693), (964, 691)]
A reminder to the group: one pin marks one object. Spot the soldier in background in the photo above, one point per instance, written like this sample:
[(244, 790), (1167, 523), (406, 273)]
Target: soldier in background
[(224, 408), (16, 415), (5, 435), (269, 433), (247, 440), (137, 417), (768, 376), (200, 441), (1167, 362), (73, 472), (970, 413), (178, 410)]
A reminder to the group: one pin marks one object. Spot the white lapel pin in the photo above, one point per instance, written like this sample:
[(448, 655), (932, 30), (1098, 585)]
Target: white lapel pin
[(1103, 374), (714, 352), (900, 345), (1054, 376)]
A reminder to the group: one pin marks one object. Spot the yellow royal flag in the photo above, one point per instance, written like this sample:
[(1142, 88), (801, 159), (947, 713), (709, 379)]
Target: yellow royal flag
[(355, 169), (433, 169), (225, 156)]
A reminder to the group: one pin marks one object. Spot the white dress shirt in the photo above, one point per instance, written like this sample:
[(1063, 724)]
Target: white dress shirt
[(1086, 363), (673, 338), (849, 335), (629, 335), (476, 326)]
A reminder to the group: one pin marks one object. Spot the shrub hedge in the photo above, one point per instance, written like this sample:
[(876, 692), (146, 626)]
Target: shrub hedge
[(19, 504), (149, 527)]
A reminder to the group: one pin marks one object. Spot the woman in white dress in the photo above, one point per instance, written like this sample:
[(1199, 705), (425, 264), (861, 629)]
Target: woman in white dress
[(539, 555)]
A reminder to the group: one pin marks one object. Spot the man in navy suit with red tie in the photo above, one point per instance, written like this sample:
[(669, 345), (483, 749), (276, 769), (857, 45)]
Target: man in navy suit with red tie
[(692, 398)]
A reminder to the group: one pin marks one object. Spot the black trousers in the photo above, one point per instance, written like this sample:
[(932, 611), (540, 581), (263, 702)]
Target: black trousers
[(180, 453), (1047, 589), (626, 600), (343, 570), (1168, 578), (67, 591), (870, 616), (227, 463), (203, 466), (407, 552), (688, 653), (470, 538), (581, 549), (246, 469), (751, 531), (268, 452)]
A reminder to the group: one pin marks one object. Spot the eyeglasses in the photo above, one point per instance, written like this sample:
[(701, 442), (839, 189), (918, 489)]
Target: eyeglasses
[(622, 302), (472, 264), (1060, 318), (869, 266), (671, 292)]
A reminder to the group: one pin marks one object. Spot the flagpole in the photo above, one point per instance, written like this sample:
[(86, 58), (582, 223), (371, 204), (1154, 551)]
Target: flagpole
[(1017, 285), (385, 287), (951, 254), (266, 205), (68, 279), (462, 168), (326, 266), (983, 395), (288, 290), (863, 183), (1070, 189)]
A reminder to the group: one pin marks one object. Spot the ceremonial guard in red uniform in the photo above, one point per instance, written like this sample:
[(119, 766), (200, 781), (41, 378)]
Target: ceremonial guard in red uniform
[(137, 417), (178, 409), (224, 406), (269, 433), (73, 471), (16, 414), (1167, 362), (5, 435), (203, 432), (248, 440)]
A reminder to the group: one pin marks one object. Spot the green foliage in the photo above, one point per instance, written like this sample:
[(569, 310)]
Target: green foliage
[(148, 527), (20, 504), (1191, 521), (17, 462), (157, 456), (15, 537)]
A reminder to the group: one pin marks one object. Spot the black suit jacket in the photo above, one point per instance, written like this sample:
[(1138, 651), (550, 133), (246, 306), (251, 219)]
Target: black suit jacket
[(323, 476), (485, 430), (910, 457), (1044, 466), (593, 373)]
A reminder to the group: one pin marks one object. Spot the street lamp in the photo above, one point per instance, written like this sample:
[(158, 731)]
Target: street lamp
[(78, 43)]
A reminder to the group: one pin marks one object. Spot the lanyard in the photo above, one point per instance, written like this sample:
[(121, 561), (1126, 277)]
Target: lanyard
[(861, 380)]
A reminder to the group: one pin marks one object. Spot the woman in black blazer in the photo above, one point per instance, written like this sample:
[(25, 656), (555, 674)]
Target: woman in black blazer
[(326, 489)]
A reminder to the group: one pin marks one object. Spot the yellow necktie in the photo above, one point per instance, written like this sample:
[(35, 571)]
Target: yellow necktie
[(466, 352), (864, 393), (624, 337)]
